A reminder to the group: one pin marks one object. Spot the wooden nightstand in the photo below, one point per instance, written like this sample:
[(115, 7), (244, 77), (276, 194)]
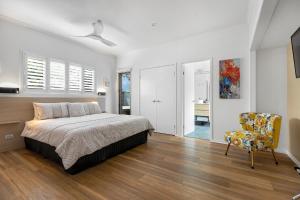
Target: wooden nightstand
[(10, 135)]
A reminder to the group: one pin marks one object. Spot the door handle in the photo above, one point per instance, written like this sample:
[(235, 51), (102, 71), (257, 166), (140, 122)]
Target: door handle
[(156, 101)]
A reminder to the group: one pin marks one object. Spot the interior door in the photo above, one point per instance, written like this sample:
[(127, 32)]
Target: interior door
[(166, 99), (148, 95)]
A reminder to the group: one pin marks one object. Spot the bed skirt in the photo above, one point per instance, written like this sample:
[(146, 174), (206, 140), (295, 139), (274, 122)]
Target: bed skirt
[(88, 160)]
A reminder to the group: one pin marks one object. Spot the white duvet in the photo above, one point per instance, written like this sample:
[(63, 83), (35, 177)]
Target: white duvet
[(79, 136)]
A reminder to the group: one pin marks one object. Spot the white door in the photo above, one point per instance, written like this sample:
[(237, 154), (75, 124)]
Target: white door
[(166, 100), (158, 98), (148, 95)]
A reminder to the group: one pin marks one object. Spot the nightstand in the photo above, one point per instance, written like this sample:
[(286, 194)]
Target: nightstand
[(10, 135)]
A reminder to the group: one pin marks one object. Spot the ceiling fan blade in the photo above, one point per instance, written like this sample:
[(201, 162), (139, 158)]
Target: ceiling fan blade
[(80, 36), (107, 42), (101, 39)]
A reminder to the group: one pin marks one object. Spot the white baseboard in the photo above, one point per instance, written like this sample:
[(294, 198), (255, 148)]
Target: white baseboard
[(281, 150), (294, 159)]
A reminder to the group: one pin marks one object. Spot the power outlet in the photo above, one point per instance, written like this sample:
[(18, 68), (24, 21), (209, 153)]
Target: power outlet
[(9, 136)]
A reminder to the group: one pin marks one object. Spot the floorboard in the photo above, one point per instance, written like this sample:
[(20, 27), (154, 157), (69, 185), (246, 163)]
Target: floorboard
[(167, 167)]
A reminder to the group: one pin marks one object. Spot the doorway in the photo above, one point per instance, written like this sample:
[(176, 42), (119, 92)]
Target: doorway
[(124, 93), (197, 99)]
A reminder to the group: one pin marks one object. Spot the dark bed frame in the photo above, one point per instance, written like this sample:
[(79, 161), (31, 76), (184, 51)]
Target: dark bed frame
[(88, 160)]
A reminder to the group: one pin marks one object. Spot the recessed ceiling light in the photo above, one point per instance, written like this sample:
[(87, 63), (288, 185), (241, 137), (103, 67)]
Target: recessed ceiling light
[(154, 24)]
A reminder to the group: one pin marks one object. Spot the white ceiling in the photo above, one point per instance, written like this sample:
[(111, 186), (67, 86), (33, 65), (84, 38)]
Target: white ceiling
[(285, 21), (127, 22)]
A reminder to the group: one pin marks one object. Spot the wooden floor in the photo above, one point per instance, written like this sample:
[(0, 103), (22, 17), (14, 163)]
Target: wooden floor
[(167, 167)]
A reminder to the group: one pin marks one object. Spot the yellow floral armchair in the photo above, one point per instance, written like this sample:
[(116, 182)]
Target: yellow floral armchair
[(260, 132)]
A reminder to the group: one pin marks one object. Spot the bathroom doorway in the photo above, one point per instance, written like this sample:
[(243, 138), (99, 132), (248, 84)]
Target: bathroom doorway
[(197, 100)]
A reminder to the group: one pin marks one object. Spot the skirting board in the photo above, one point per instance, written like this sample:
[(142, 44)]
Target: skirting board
[(293, 158)]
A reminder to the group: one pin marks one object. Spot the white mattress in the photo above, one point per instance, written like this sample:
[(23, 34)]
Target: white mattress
[(79, 136)]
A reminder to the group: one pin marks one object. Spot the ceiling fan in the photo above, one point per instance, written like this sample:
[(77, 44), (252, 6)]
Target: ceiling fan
[(96, 34)]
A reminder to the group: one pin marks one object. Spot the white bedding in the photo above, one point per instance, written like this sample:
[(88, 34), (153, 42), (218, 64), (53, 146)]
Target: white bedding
[(75, 137)]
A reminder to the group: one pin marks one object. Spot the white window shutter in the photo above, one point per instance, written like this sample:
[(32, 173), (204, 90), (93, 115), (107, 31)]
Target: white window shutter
[(75, 78), (57, 76), (89, 80), (35, 73)]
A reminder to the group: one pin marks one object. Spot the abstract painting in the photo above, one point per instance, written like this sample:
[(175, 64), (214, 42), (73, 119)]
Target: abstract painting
[(230, 79)]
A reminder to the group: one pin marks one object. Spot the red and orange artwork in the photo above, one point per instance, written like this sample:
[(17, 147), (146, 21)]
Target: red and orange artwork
[(230, 79)]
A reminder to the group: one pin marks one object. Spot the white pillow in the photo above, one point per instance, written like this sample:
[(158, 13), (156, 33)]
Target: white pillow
[(94, 108), (50, 110), (60, 110), (77, 109), (42, 111), (80, 109)]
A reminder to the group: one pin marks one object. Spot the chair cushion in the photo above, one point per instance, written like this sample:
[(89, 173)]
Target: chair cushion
[(243, 139), (250, 140)]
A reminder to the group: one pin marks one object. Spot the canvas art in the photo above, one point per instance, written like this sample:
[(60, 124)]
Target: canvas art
[(230, 79)]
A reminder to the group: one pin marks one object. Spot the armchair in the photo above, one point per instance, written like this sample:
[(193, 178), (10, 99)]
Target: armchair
[(260, 132)]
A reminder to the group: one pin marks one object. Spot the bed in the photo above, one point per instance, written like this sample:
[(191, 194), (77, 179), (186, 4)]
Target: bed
[(80, 142)]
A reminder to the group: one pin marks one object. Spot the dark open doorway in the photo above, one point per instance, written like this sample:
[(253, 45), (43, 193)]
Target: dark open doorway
[(125, 93)]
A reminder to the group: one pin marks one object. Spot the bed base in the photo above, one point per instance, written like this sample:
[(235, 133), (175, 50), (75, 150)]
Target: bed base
[(88, 160)]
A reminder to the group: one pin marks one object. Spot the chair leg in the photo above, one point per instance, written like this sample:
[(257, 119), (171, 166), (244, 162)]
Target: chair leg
[(296, 197), (273, 153), (252, 159), (227, 148)]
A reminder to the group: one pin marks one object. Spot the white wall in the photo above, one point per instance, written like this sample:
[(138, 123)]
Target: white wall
[(271, 87), (228, 43), (252, 91), (15, 39), (260, 15), (254, 10)]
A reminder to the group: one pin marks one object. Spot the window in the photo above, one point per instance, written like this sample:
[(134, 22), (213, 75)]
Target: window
[(89, 80), (75, 78), (35, 73), (57, 76)]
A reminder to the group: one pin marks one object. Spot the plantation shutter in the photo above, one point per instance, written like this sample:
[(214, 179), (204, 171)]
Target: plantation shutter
[(75, 78), (36, 73), (89, 80), (57, 76)]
